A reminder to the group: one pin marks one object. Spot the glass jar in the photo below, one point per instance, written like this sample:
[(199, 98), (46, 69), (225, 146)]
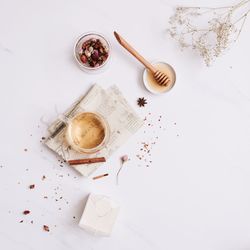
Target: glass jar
[(78, 51)]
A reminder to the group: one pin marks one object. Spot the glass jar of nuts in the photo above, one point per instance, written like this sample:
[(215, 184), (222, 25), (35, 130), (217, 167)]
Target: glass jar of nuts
[(92, 51)]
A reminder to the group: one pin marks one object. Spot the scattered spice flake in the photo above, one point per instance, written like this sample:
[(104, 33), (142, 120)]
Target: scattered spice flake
[(46, 228), (45, 197), (25, 150), (21, 221), (32, 186), (74, 217), (145, 147), (43, 138), (141, 102), (43, 178), (25, 212), (32, 222)]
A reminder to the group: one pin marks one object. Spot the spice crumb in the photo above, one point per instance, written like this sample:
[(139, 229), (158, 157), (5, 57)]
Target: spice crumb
[(46, 228), (32, 186), (25, 212)]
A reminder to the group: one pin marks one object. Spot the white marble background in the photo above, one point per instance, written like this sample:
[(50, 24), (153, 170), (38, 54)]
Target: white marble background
[(196, 193)]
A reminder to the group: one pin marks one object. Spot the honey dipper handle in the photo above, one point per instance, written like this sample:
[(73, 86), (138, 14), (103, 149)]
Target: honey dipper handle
[(132, 51)]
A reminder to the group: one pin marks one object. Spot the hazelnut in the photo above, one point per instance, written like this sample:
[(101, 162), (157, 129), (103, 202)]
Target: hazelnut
[(91, 63), (87, 53), (95, 55), (91, 49), (83, 58)]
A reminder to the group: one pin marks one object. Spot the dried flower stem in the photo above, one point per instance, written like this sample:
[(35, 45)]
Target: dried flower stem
[(117, 175), (123, 160)]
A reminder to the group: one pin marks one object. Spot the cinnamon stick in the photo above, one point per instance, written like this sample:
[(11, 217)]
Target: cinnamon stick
[(86, 161), (100, 176)]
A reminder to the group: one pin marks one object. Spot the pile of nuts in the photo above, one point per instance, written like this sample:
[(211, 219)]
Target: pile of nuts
[(93, 53)]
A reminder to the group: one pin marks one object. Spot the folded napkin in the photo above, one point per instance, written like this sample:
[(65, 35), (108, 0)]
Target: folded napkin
[(111, 104)]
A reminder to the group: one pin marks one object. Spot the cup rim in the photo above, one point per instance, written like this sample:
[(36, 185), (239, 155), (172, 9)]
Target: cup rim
[(80, 64), (85, 150)]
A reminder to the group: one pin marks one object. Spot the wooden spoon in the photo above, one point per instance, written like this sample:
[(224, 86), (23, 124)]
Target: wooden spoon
[(159, 76)]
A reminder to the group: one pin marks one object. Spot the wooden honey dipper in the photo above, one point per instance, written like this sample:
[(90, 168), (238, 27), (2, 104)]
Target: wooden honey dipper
[(160, 77)]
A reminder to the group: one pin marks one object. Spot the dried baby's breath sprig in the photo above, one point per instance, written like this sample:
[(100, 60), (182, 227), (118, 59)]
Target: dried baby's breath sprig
[(207, 30)]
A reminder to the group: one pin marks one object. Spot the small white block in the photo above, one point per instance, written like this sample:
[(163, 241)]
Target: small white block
[(99, 215)]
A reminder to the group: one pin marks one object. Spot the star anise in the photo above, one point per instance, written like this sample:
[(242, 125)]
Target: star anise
[(141, 102)]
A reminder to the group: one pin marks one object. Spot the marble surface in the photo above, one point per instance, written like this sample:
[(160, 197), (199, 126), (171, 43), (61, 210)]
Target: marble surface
[(195, 194)]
